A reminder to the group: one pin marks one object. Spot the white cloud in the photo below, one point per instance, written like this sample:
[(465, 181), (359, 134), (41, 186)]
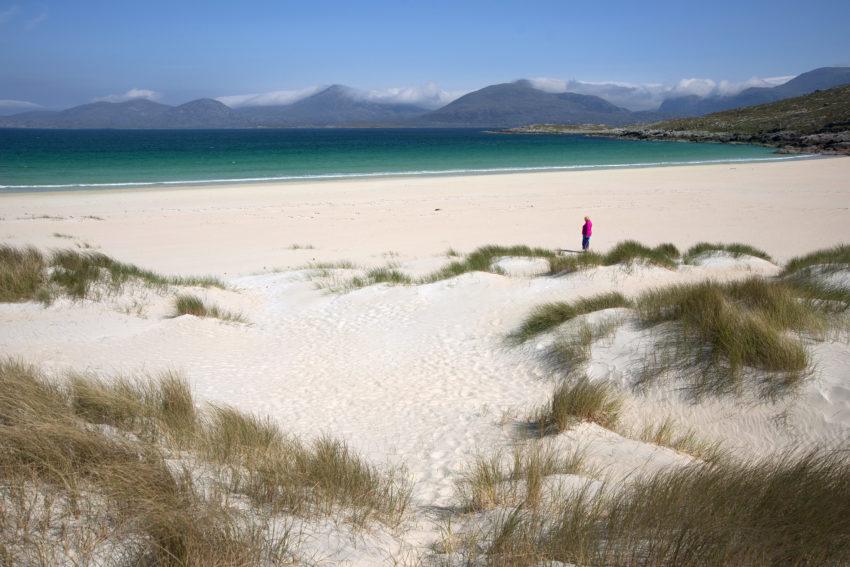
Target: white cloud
[(549, 85), (429, 95), (268, 99), (648, 96), (9, 103), (9, 106), (727, 87), (699, 87), (9, 13), (36, 21), (130, 95), (708, 87)]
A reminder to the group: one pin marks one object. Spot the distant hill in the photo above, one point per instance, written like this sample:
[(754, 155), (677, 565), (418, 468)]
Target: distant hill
[(519, 103), (819, 112), (132, 114), (336, 105), (814, 123), (817, 122), (817, 79), (203, 113)]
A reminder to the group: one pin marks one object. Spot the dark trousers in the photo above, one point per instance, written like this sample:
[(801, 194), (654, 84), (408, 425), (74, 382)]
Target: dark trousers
[(585, 242)]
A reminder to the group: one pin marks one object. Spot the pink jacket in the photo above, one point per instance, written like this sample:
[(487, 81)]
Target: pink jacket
[(587, 229)]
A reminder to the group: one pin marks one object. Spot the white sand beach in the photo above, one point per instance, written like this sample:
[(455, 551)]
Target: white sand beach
[(421, 376), (787, 208)]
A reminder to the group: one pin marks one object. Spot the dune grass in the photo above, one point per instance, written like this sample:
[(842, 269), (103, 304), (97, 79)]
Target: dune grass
[(629, 250), (549, 315), (736, 249), (719, 330), (575, 401), (665, 255), (386, 274), (73, 493), (515, 479), (26, 274), (810, 274), (158, 409), (22, 274), (835, 258), (91, 467), (571, 349), (188, 304), (788, 510), (566, 264), (76, 272), (667, 434), (482, 259)]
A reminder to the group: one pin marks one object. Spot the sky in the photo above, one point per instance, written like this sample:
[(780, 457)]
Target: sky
[(56, 54)]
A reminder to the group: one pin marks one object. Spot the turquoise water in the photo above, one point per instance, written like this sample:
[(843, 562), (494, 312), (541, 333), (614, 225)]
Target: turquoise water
[(32, 160)]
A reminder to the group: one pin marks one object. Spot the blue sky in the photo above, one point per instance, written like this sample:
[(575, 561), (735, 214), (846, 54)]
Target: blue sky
[(58, 54)]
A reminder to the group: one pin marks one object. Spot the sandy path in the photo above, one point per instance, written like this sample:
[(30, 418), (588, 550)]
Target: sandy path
[(785, 207)]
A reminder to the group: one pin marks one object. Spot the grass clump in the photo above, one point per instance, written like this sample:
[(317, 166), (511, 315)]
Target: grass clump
[(153, 409), (810, 275), (287, 476), (133, 471), (667, 434), (630, 250), (26, 275), (571, 350), (231, 436), (74, 493), (187, 304), (575, 262), (789, 510), (720, 329), (515, 479), (386, 274), (549, 315), (575, 401), (665, 255), (77, 272), (736, 249), (835, 258), (22, 274), (481, 260)]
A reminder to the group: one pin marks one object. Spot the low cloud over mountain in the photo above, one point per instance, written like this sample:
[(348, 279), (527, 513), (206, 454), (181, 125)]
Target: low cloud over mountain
[(14, 106), (132, 94), (649, 96), (428, 95)]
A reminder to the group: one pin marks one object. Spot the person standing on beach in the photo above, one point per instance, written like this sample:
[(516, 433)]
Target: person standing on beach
[(586, 231)]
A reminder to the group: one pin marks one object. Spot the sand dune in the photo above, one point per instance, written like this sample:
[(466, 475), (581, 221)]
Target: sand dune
[(422, 375)]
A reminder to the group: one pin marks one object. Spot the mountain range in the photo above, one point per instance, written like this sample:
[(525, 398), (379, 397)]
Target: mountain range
[(503, 105)]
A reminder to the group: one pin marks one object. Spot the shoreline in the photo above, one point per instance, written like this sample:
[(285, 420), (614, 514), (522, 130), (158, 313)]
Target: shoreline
[(320, 178)]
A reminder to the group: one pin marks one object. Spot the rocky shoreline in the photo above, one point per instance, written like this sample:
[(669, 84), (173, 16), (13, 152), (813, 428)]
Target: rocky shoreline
[(826, 143)]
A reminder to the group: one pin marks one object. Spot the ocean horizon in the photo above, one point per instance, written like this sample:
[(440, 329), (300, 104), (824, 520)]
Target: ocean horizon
[(44, 160)]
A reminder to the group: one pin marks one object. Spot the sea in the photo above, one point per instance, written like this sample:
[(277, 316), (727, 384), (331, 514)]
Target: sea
[(50, 160)]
